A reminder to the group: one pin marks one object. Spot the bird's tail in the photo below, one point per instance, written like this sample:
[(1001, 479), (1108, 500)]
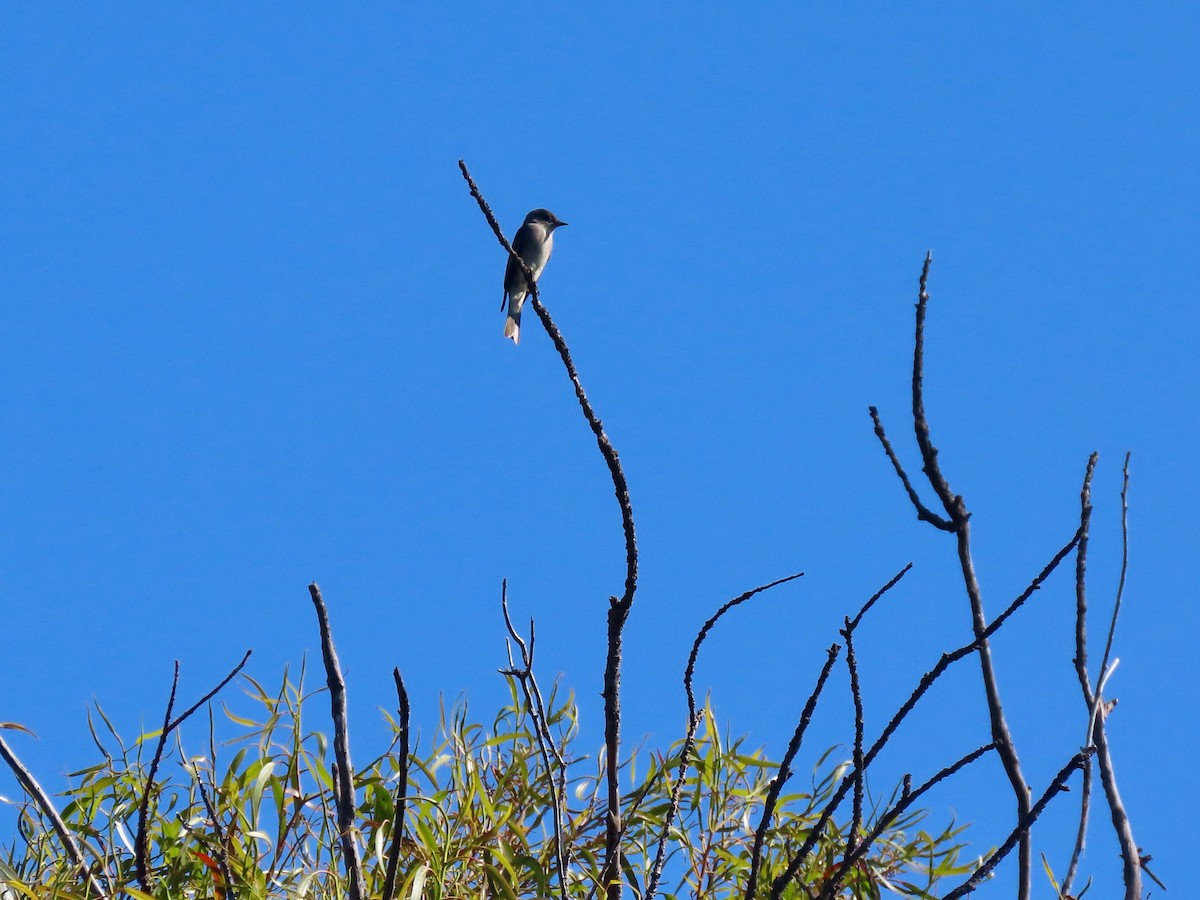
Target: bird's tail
[(512, 326)]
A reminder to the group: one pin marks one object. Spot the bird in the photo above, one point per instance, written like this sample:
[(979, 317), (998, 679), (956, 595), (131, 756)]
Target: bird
[(533, 243)]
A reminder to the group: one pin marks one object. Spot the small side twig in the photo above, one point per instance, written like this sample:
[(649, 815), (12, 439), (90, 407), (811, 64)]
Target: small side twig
[(556, 769), (344, 773), (689, 741), (401, 798), (30, 785), (924, 513), (1021, 832), (219, 849)]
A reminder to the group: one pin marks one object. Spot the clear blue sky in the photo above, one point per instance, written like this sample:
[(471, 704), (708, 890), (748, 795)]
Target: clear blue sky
[(250, 331)]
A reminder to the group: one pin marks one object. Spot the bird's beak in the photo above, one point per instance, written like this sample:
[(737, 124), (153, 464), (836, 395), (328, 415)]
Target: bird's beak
[(559, 223)]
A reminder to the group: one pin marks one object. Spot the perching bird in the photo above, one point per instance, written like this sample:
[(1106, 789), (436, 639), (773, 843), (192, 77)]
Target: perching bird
[(533, 243)]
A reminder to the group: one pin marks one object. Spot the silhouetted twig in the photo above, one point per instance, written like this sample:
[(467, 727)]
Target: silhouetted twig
[(344, 774), (785, 764), (41, 798), (141, 844), (141, 852), (1081, 668), (618, 611), (219, 848), (1112, 625), (1021, 832), (959, 522), (693, 720), (907, 799), (556, 769), (785, 772), (1130, 855), (856, 696), (169, 725), (187, 713), (926, 682), (401, 798), (924, 513)]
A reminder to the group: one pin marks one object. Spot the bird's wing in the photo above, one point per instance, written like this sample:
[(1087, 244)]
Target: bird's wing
[(513, 272)]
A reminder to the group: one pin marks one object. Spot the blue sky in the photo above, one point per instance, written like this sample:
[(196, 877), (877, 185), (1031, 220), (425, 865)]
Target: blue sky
[(251, 339)]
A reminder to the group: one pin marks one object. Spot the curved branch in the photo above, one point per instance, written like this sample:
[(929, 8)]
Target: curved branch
[(41, 798), (618, 608), (693, 720)]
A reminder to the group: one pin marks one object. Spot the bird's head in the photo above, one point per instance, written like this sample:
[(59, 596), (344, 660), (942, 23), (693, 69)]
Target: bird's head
[(544, 217)]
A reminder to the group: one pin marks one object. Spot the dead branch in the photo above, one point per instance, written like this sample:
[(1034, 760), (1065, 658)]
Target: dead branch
[(401, 799), (618, 611), (344, 774)]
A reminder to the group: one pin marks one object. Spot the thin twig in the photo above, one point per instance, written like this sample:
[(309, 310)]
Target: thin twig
[(219, 849), (344, 775), (907, 799), (856, 696), (927, 680), (866, 607), (1130, 856), (619, 609), (187, 714), (924, 513), (933, 471), (140, 845), (959, 518), (42, 799), (401, 799), (1021, 832), (556, 768), (660, 856), (1112, 626), (1081, 669)]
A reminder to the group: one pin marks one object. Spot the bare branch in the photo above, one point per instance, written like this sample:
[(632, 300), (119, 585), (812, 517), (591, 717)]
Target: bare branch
[(556, 770), (344, 775), (1024, 825), (401, 798), (693, 720), (856, 696), (927, 680), (187, 714), (933, 471), (1081, 669), (42, 799), (140, 845), (219, 849), (959, 517), (785, 772), (924, 513), (866, 607), (1130, 856), (618, 608), (1112, 627), (907, 799)]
